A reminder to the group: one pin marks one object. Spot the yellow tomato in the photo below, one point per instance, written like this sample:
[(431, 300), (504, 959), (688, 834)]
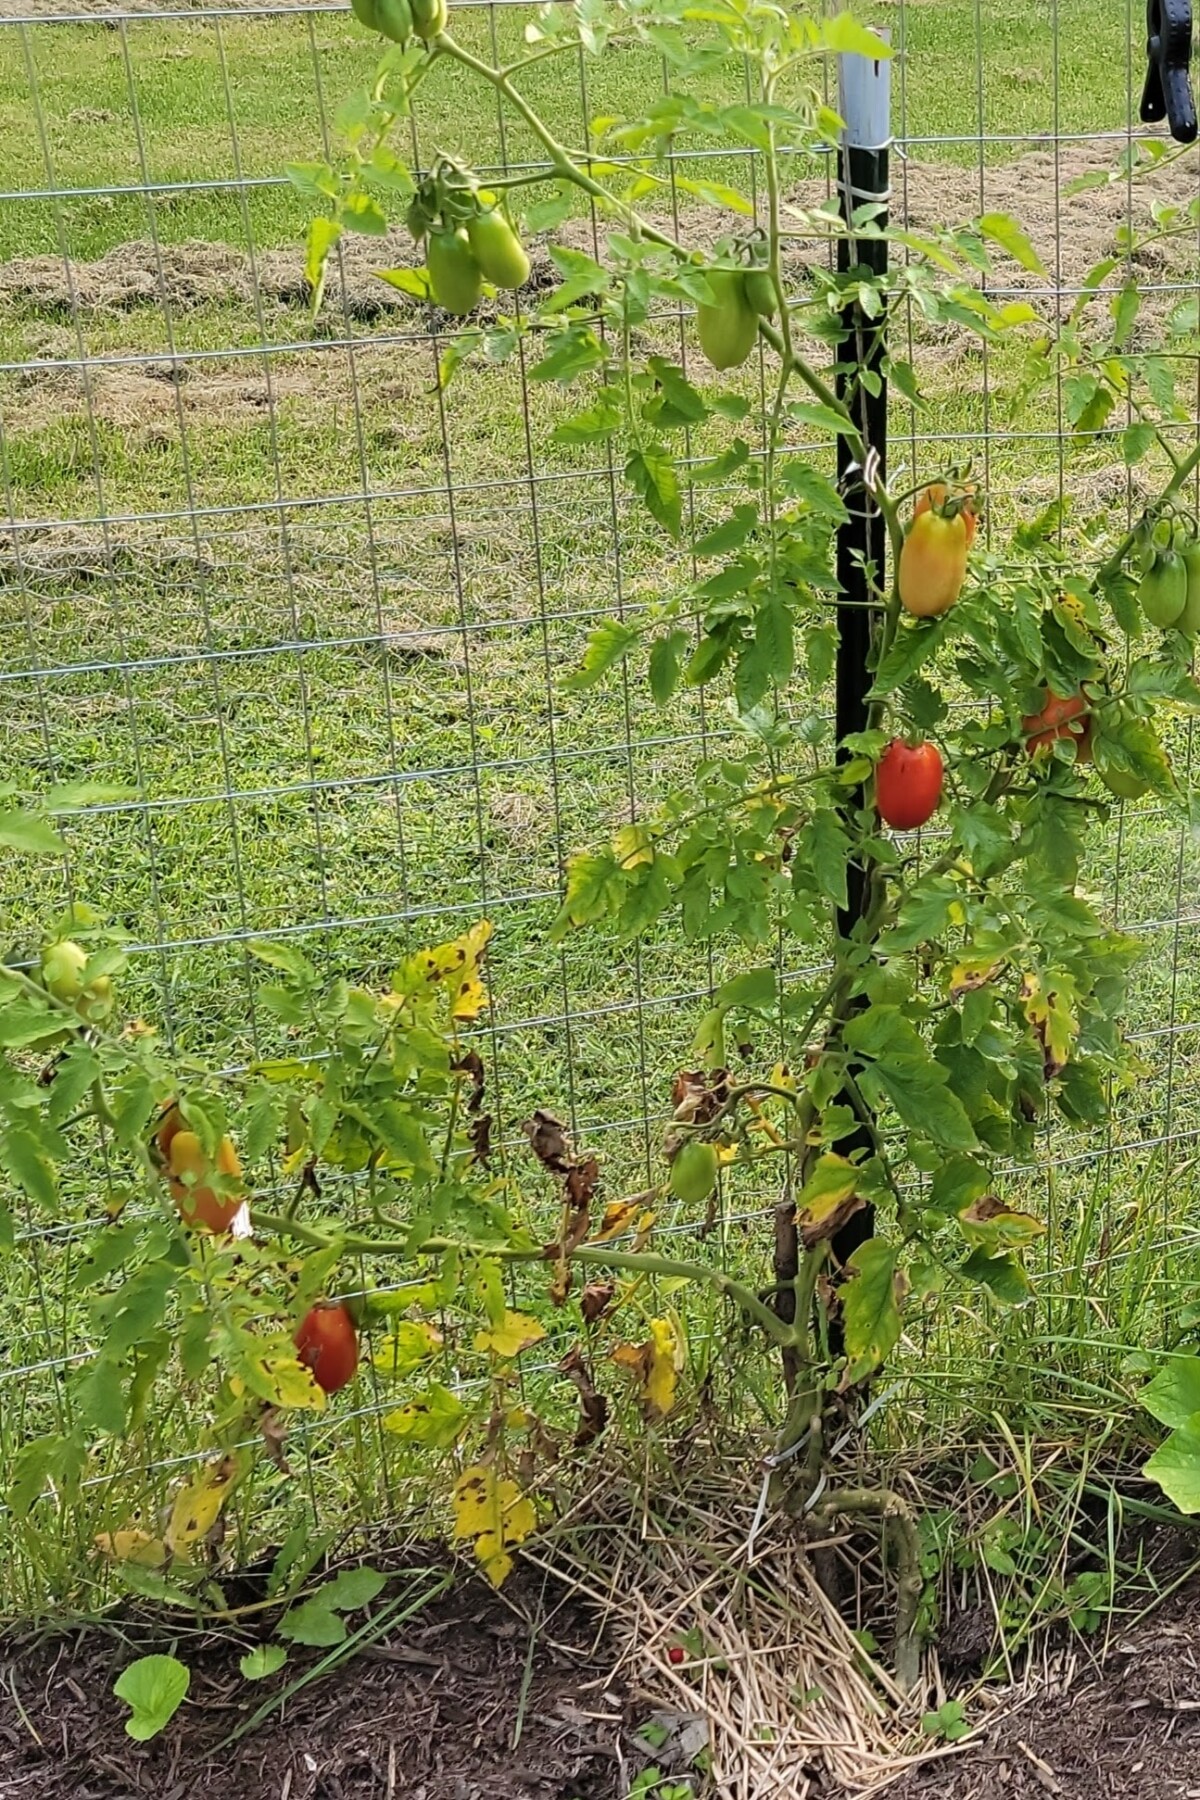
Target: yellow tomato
[(933, 564)]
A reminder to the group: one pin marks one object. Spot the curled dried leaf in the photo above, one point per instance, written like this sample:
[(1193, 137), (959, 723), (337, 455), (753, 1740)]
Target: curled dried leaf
[(596, 1299), (550, 1142), (471, 1065), (593, 1406)]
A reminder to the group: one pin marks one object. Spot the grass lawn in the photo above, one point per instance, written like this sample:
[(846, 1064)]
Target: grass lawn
[(314, 617)]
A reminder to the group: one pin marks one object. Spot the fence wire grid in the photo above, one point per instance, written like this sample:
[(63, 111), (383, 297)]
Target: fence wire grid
[(312, 611)]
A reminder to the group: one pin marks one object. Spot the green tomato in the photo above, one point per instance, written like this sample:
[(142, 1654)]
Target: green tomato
[(498, 250), (429, 17), (693, 1172), (63, 964), (1162, 534), (395, 19), (728, 329), (365, 13), (95, 1004), (1189, 619), (1163, 591), (759, 290), (455, 278)]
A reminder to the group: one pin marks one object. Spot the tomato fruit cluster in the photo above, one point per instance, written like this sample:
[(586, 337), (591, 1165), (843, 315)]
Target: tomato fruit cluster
[(190, 1172), (461, 255), (1169, 591), (728, 327), (327, 1343), (400, 19), (1060, 717)]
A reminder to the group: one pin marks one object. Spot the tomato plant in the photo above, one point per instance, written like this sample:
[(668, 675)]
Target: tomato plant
[(930, 1017)]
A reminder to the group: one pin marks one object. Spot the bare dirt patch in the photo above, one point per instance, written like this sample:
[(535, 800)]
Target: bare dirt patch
[(476, 1698)]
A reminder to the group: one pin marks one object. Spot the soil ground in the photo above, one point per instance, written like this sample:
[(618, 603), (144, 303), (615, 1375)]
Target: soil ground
[(475, 1697), (1130, 1728), (514, 1698)]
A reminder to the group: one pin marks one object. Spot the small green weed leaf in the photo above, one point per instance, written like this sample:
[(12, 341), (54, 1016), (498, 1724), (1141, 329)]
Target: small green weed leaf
[(1173, 1397), (256, 1665), (948, 1722), (153, 1688), (313, 1623), (351, 1589), (1175, 1466)]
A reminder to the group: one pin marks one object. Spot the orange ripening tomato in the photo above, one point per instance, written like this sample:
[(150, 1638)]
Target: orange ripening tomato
[(1060, 718), (189, 1173), (908, 784), (933, 564), (328, 1345), (934, 498)]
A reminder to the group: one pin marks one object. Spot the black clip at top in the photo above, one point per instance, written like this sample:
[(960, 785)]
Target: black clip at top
[(1168, 91)]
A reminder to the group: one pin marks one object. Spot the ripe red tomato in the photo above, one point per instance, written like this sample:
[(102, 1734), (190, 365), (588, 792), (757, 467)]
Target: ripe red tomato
[(1060, 718), (908, 784), (328, 1345), (676, 1654)]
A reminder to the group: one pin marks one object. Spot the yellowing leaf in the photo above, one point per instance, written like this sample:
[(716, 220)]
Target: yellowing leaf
[(280, 1379), (645, 1225), (632, 845), (198, 1506), (828, 1198), (409, 1343), (492, 1511), (988, 1225), (973, 972), (435, 1418), (514, 1333), (656, 1365), (133, 1546), (454, 965), (472, 998), (1051, 1013), (619, 1216)]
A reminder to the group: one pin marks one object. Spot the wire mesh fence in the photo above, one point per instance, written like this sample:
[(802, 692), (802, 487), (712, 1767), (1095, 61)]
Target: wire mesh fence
[(310, 609)]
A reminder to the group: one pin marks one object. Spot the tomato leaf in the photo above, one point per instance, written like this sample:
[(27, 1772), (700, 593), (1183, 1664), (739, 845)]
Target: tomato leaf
[(871, 1306), (651, 474), (916, 1087), (27, 834), (1002, 229), (608, 645), (265, 1660)]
